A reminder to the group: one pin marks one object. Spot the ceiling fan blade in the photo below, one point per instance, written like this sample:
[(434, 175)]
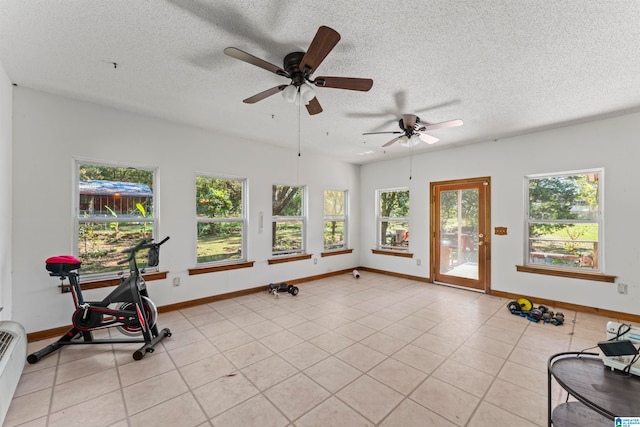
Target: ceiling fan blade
[(324, 41), (434, 107), (401, 101), (314, 107), (427, 138), (447, 124), (247, 57), (378, 133), (262, 95), (349, 83), (370, 116), (384, 125), (393, 141), (409, 120)]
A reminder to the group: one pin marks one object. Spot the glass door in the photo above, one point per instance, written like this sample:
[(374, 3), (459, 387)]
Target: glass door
[(460, 244)]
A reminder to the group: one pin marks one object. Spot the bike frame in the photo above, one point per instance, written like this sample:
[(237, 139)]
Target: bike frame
[(131, 290)]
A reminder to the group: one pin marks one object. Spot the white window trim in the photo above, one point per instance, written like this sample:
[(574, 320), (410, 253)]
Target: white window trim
[(243, 220), (380, 219), (302, 218), (77, 161), (600, 221), (344, 218)]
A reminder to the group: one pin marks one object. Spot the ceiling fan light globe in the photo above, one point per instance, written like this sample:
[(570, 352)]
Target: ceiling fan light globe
[(290, 93), (307, 93), (410, 142)]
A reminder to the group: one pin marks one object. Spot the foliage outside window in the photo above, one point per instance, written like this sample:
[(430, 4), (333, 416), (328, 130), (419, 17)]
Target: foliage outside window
[(220, 219), (563, 220), (393, 219), (115, 208), (288, 220), (459, 215), (335, 220)]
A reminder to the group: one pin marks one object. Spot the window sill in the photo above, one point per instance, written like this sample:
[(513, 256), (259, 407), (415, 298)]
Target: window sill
[(391, 252), (105, 283), (216, 268), (286, 258), (598, 277), (336, 252)]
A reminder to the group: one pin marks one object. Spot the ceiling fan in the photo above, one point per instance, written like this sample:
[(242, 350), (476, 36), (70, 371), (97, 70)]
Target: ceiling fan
[(299, 66), (413, 130)]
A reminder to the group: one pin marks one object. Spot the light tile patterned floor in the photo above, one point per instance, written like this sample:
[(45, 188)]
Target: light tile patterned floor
[(374, 351)]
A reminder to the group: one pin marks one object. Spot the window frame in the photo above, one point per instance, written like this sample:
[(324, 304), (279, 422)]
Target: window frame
[(241, 219), (338, 218), (77, 220), (275, 219), (380, 219), (599, 221)]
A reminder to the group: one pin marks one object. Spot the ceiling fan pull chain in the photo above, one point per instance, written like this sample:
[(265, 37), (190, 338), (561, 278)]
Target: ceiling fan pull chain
[(299, 107), (299, 153), (411, 164)]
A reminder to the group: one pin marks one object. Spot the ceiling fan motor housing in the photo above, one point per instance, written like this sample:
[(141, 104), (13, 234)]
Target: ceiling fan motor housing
[(409, 131), (292, 67)]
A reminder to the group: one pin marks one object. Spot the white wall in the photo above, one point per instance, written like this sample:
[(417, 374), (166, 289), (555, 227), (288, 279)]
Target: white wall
[(6, 100), (611, 143), (50, 131)]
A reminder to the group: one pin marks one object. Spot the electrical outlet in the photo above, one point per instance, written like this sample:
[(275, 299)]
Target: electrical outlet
[(418, 261), (315, 260), (176, 281), (622, 288)]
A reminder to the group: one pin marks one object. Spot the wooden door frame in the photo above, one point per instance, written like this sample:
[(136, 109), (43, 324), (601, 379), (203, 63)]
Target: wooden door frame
[(487, 240)]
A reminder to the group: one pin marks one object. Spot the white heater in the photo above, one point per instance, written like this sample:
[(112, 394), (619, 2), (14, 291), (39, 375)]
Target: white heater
[(13, 353)]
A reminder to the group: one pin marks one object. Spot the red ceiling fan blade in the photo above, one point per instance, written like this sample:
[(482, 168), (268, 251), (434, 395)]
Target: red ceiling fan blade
[(447, 124), (349, 83), (314, 107), (324, 41), (262, 95), (247, 57), (393, 141)]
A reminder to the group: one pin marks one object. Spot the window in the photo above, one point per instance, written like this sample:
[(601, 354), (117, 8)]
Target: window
[(288, 220), (335, 220), (563, 220), (393, 219), (220, 219), (115, 208)]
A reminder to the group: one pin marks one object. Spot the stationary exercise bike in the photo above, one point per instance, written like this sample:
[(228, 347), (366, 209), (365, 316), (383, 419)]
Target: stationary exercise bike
[(128, 307)]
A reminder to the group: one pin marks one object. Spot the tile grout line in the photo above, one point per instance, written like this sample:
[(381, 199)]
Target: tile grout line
[(367, 298)]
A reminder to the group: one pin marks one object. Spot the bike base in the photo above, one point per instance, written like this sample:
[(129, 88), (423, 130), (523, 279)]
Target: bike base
[(76, 337)]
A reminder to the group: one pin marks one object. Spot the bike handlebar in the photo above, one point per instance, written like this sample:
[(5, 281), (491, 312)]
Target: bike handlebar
[(142, 244), (162, 241)]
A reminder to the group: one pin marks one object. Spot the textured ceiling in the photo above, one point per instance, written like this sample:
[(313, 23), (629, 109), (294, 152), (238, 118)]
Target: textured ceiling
[(503, 67)]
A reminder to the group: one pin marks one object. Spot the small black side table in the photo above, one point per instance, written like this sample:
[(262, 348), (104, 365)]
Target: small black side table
[(602, 394)]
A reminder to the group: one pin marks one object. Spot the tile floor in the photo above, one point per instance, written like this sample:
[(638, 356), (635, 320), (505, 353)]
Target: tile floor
[(374, 351)]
